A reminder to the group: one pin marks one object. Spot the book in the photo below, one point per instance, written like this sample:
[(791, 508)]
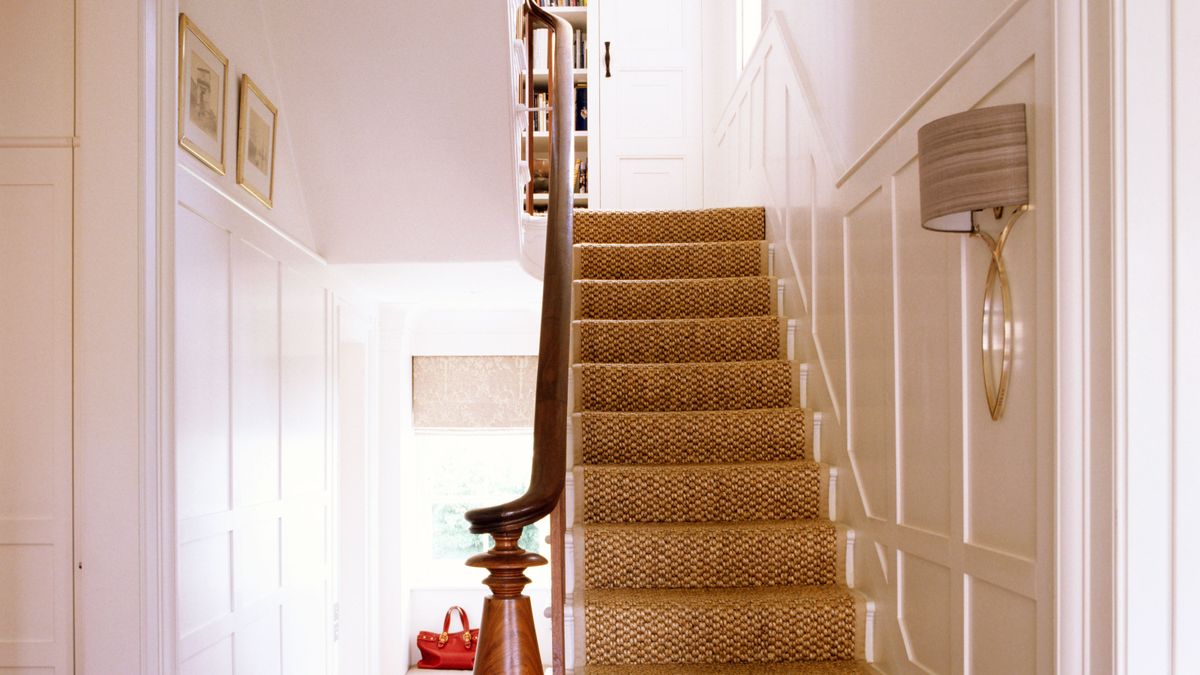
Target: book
[(581, 107)]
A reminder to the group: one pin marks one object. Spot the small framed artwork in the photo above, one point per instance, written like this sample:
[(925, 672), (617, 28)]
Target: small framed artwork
[(203, 74), (258, 120)]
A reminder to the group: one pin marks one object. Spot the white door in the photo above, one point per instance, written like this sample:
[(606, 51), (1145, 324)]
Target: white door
[(36, 570), (649, 90)]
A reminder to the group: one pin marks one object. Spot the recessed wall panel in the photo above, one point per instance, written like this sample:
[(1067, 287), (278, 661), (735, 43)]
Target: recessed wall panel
[(925, 611), (215, 660), (205, 581), (929, 375), (302, 394), (657, 90), (829, 319), (255, 376), (256, 569), (1001, 630), (26, 580), (202, 432), (37, 46), (257, 648), (870, 391), (652, 183), (1002, 456)]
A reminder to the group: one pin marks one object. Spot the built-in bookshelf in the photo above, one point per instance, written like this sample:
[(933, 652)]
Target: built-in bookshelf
[(574, 12)]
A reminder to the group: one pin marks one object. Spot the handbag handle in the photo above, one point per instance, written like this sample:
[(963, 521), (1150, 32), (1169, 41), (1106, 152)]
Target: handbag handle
[(462, 619)]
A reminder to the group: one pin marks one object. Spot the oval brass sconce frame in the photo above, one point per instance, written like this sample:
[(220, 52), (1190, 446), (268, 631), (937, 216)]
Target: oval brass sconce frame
[(997, 390)]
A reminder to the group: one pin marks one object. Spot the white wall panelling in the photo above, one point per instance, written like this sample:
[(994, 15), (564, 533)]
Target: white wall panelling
[(1158, 321), (953, 512), (257, 426)]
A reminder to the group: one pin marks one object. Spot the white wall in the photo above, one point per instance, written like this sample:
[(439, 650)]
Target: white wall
[(953, 512), (239, 30), (36, 135), (263, 403), (1156, 66), (869, 60)]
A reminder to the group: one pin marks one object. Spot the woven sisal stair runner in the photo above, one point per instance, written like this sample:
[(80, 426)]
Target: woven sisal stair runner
[(706, 542)]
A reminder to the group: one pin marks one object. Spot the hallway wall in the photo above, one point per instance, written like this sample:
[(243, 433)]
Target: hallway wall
[(953, 512), (263, 409), (238, 28)]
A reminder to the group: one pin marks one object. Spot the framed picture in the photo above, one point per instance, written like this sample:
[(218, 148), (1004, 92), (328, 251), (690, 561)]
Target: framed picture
[(203, 75), (258, 120)]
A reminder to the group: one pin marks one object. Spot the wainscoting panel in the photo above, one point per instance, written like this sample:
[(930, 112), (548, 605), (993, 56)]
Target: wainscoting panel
[(953, 511), (254, 454)]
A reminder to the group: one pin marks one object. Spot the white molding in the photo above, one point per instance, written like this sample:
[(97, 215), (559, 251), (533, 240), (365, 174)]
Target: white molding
[(39, 141), (969, 53), (816, 435)]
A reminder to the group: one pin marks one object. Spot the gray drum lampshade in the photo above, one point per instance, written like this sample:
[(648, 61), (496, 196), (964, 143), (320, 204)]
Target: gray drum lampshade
[(971, 161)]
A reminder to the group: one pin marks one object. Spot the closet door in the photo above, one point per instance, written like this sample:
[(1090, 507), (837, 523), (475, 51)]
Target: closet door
[(37, 118), (36, 571), (649, 87)]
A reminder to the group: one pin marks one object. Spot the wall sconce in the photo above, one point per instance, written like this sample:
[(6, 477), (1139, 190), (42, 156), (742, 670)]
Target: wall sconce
[(975, 165)]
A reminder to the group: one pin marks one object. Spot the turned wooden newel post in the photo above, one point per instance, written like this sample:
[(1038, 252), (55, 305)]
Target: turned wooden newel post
[(507, 641)]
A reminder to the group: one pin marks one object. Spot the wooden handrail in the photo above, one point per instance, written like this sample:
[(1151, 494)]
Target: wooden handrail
[(507, 644)]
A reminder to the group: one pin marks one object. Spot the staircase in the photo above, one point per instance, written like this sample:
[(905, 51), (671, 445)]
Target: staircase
[(706, 542)]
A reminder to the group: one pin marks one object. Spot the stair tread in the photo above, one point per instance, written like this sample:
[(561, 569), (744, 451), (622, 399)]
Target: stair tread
[(740, 597), (795, 668), (799, 524), (675, 298), (720, 224), (671, 260)]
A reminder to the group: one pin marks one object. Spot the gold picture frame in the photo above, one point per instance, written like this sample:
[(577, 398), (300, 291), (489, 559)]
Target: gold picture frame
[(256, 142), (202, 94)]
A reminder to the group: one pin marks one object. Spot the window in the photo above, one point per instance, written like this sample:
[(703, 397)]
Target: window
[(472, 446)]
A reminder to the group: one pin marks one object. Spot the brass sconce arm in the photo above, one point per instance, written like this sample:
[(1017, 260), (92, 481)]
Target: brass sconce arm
[(997, 391)]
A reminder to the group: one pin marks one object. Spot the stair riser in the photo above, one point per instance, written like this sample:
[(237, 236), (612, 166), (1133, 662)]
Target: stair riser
[(705, 341), (689, 495), (690, 438), (686, 387), (736, 634), (670, 261), (648, 558), (678, 299)]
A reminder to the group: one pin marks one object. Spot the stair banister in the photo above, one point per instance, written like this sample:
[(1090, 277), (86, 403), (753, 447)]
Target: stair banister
[(507, 643)]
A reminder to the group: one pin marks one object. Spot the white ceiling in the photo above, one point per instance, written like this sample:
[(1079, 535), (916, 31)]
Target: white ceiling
[(399, 118)]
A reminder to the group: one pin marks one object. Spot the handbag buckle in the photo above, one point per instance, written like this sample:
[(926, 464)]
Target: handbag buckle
[(443, 639), (467, 639)]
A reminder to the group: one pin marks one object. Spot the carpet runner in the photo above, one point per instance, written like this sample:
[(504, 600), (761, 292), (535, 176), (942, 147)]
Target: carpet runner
[(707, 546)]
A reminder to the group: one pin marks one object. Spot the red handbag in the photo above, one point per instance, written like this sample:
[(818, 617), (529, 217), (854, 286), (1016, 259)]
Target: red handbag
[(446, 650)]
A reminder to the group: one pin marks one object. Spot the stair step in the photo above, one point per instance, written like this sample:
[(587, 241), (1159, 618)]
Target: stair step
[(734, 385), (671, 261), (711, 555), (695, 437), (675, 298), (757, 338), (665, 227), (734, 625), (703, 492), (802, 668)]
